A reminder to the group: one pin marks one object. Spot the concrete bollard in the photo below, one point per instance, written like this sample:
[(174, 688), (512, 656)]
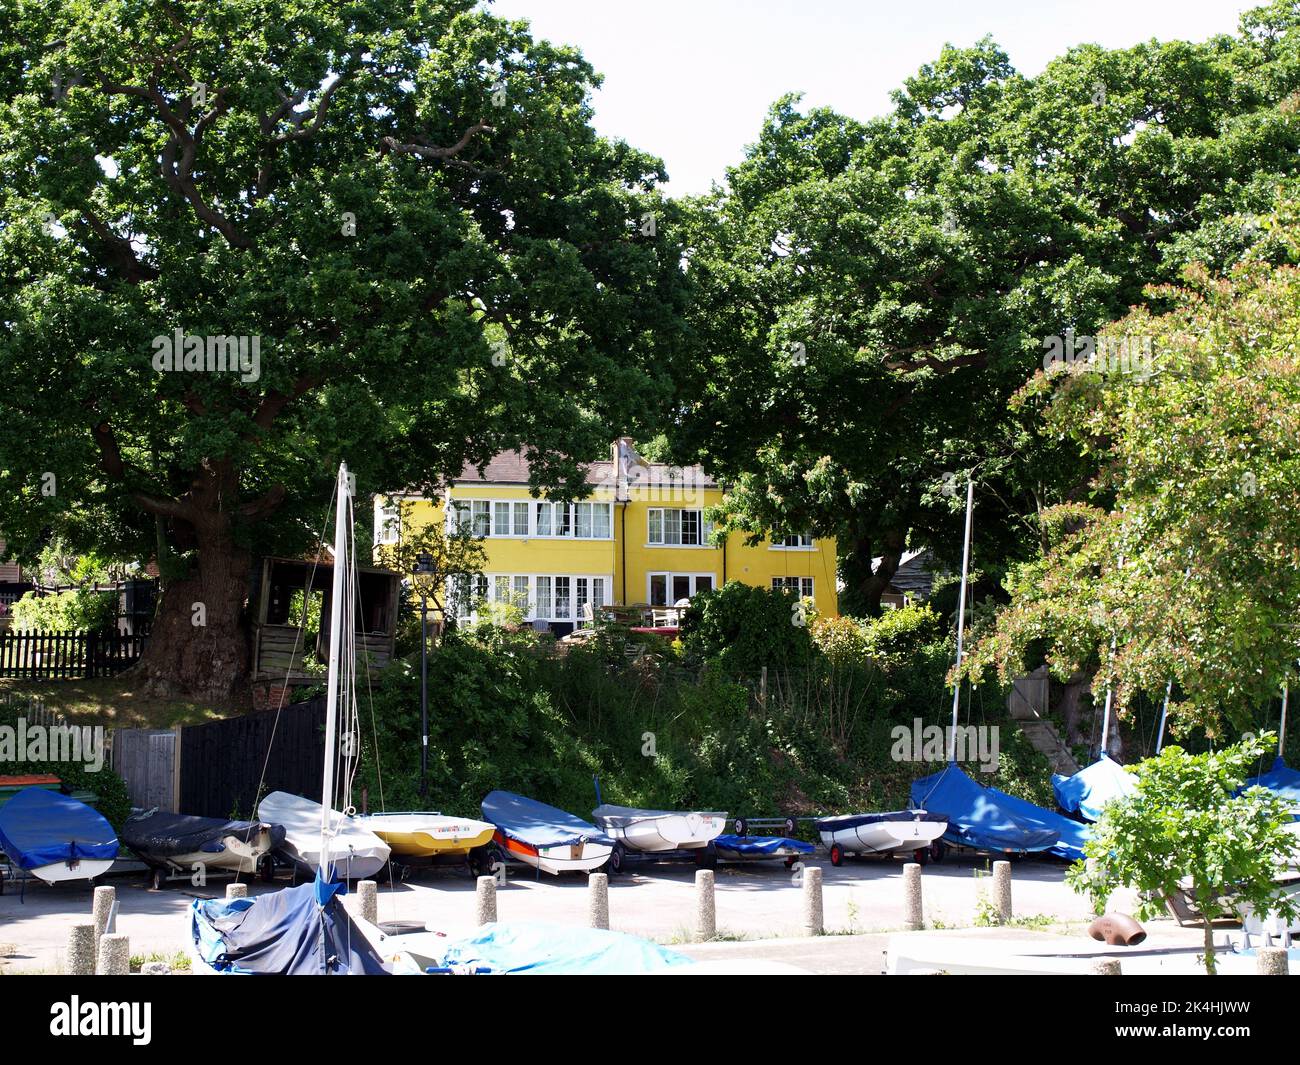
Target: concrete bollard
[(236, 891), (114, 955), (368, 900), (598, 900), (1271, 961), (1105, 967), (485, 900), (913, 913), (1002, 890), (102, 909), (81, 949), (814, 922), (706, 912)]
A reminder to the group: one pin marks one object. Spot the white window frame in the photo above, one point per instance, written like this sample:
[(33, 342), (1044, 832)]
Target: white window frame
[(805, 589), (669, 575), (704, 527), (806, 543), (388, 522), (531, 585)]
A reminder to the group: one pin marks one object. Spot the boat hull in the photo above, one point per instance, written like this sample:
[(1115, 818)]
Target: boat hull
[(583, 857), (899, 835), (418, 835), (235, 856), (58, 872), (656, 832)]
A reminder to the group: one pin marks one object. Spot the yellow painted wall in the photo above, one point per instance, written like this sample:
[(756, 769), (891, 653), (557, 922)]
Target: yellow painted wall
[(629, 558)]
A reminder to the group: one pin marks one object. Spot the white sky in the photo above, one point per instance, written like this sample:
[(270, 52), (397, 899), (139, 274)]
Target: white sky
[(690, 80)]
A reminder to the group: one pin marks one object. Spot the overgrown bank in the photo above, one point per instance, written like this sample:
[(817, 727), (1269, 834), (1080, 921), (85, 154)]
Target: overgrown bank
[(677, 729)]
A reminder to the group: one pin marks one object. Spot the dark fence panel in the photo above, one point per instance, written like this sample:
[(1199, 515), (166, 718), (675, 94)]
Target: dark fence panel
[(221, 761), (66, 655)]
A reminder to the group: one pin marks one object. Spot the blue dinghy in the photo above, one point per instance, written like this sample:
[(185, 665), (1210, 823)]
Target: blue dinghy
[(54, 837), (1092, 788), (761, 848), (545, 837), (980, 817)]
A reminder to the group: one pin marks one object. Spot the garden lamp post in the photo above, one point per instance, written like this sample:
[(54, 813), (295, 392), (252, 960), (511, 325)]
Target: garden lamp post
[(424, 568)]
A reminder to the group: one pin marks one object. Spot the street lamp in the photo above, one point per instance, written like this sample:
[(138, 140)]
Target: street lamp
[(424, 568)]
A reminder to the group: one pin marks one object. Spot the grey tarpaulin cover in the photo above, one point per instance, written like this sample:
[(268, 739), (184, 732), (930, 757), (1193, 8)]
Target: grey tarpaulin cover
[(158, 835)]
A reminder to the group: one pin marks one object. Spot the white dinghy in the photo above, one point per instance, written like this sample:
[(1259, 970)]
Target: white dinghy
[(657, 831), (355, 852)]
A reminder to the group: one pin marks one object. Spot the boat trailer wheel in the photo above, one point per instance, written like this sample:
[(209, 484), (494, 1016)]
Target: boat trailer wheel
[(938, 850), (617, 857), (837, 855)]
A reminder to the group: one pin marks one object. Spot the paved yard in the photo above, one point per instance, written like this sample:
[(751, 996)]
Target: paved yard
[(757, 903)]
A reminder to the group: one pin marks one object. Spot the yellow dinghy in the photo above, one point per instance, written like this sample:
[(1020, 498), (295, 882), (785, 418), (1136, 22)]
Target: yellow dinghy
[(428, 835)]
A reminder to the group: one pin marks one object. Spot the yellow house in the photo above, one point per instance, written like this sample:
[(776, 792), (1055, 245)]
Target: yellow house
[(639, 538)]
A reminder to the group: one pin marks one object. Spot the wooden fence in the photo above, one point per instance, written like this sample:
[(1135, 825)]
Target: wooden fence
[(66, 655), (221, 761)]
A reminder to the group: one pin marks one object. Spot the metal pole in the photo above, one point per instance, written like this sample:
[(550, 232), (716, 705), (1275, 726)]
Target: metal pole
[(1164, 715), (424, 694), (961, 615), (1105, 718), (336, 640), (1281, 736)]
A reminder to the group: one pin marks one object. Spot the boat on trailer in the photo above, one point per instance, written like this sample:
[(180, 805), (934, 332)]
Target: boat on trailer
[(893, 832), (430, 835), (355, 851), (55, 838), (732, 848), (177, 844), (659, 832), (544, 837)]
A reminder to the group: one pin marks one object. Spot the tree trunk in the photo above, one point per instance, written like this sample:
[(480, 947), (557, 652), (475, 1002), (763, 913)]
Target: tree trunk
[(868, 586), (199, 647)]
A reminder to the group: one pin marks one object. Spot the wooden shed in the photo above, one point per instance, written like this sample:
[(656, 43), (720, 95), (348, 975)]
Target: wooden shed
[(283, 641)]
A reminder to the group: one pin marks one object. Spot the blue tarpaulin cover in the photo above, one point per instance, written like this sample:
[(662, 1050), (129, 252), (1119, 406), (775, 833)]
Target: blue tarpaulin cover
[(39, 827), (1281, 778), (762, 846), (980, 817), (537, 824), (1071, 835), (279, 934), (1092, 788), (541, 949)]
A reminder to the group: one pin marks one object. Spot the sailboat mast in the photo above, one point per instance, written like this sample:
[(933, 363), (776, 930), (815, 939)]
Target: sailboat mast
[(1164, 716), (1281, 736), (336, 640), (961, 614)]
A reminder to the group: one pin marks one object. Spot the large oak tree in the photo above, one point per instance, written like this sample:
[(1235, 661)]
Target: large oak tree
[(872, 294), (402, 200)]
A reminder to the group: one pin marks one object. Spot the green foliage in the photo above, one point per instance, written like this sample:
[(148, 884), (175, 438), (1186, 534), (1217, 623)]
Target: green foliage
[(879, 290), (743, 628), (375, 192), (1197, 498), (661, 734), (1185, 825), (78, 610)]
